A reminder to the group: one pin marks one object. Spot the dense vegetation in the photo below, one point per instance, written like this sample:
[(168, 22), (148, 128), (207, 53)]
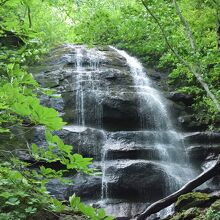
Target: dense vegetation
[(29, 28), (159, 37)]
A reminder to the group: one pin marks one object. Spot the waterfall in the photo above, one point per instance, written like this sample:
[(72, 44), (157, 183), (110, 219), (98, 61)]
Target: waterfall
[(155, 120), (80, 110), (87, 62), (139, 164)]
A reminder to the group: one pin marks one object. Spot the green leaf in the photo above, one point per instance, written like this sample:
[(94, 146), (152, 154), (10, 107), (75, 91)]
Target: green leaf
[(101, 213), (34, 149), (13, 201), (31, 210)]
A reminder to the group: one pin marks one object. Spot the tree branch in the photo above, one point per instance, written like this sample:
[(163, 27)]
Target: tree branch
[(29, 16), (192, 69), (3, 2), (186, 26), (167, 201)]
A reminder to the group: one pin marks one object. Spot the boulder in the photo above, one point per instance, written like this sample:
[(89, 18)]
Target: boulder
[(189, 123), (208, 138), (194, 199), (135, 180), (86, 187), (86, 141), (200, 152), (181, 97), (133, 153)]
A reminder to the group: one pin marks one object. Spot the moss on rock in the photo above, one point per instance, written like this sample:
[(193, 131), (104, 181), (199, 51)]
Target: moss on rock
[(187, 214), (189, 200), (216, 205), (196, 206)]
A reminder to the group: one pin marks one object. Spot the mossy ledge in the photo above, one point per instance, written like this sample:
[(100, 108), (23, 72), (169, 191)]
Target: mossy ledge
[(196, 206)]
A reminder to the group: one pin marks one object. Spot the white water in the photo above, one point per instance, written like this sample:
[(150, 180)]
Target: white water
[(79, 89), (86, 83), (152, 104), (165, 143)]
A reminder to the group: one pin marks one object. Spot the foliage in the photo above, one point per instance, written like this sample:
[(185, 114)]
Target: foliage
[(20, 197), (57, 151), (212, 215), (89, 211), (27, 30), (127, 25), (23, 194)]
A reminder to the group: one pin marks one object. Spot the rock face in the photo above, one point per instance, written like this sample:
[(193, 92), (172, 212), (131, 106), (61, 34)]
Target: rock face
[(99, 97), (202, 147), (107, 90), (146, 181)]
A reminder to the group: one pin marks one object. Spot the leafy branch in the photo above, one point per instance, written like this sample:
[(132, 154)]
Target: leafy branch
[(193, 69)]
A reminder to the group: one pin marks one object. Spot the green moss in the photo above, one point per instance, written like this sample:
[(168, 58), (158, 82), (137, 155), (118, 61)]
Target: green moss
[(194, 199), (216, 205), (187, 214)]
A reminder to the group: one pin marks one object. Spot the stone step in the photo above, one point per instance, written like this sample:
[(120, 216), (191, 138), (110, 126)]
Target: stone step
[(121, 209), (155, 152), (130, 180), (147, 137), (140, 179), (205, 138)]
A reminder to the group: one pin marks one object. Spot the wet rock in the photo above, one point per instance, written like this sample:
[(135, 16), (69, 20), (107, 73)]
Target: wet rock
[(146, 138), (189, 123), (197, 153), (202, 152), (133, 153), (58, 189), (56, 103), (181, 97), (24, 155), (194, 199), (136, 180), (202, 138), (122, 209), (202, 148), (86, 187), (108, 91), (86, 141)]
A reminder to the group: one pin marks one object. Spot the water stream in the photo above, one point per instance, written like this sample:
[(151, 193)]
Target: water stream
[(156, 144), (167, 142), (86, 84)]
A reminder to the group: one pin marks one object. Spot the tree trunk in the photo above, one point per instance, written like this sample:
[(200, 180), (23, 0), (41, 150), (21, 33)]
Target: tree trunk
[(194, 69), (29, 17), (218, 30), (167, 201)]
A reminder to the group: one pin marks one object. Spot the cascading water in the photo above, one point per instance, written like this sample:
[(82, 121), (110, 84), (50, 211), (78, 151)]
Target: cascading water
[(155, 121), (117, 116), (128, 155), (79, 89), (87, 86)]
